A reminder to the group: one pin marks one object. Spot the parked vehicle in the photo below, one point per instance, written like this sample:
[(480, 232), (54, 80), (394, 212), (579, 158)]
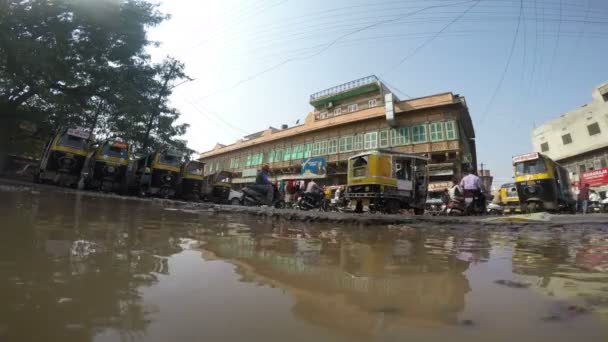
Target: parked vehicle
[(309, 201), (594, 207), (436, 203), (234, 197), (542, 184), (604, 204), (508, 199), (156, 174), (253, 197), (190, 182), (105, 168), (217, 187), (63, 157), (387, 181), (495, 209)]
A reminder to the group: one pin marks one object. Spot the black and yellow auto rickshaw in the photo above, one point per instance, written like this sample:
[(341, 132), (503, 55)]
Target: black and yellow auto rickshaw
[(156, 174), (508, 199), (63, 157), (542, 184), (216, 187), (106, 167), (190, 183), (387, 181)]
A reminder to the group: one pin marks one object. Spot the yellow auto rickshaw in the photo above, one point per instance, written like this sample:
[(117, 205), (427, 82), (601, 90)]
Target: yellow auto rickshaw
[(217, 187), (106, 167), (387, 181), (190, 183), (156, 174), (508, 199), (63, 157), (542, 184)]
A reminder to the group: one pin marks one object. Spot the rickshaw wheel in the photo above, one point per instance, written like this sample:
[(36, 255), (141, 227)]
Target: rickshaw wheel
[(235, 201), (359, 207), (532, 207)]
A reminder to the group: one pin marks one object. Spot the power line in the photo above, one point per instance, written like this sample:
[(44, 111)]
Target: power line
[(329, 45), (559, 27), (431, 39), (217, 117), (504, 73)]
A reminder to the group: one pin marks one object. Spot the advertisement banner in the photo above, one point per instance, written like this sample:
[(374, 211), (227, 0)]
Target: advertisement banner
[(595, 178), (313, 166)]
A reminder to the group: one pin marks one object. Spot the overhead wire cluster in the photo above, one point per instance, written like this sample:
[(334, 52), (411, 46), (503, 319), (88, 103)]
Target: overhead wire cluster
[(305, 36)]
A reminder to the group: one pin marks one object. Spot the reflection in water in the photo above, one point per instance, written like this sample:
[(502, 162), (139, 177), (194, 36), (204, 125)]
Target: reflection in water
[(81, 268), (354, 283)]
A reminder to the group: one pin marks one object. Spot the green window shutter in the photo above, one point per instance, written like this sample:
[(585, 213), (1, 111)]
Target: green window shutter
[(358, 142), (436, 131), (349, 144), (287, 154), (450, 130), (332, 146), (315, 148), (419, 134), (341, 144), (307, 150), (323, 148), (371, 140), (383, 141)]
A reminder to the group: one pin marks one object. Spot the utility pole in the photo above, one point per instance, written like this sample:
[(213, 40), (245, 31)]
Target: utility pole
[(156, 108)]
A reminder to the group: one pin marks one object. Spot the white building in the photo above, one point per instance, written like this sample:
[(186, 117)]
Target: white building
[(578, 139)]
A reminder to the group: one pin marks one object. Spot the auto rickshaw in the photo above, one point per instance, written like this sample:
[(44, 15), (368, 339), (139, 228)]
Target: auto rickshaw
[(542, 184), (190, 183), (106, 167), (387, 181), (216, 187), (156, 174), (508, 199), (63, 157)]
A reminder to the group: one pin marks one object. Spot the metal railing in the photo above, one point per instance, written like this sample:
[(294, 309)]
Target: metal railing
[(344, 87)]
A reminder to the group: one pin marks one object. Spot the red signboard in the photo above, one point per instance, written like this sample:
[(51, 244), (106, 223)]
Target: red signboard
[(595, 177)]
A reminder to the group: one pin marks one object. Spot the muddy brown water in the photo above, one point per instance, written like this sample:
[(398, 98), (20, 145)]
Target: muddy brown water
[(76, 267)]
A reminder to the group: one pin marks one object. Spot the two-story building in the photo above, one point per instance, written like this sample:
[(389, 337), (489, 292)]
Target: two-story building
[(578, 140), (351, 118)]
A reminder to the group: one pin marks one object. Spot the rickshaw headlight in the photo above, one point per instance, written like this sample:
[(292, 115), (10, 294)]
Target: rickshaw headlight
[(110, 169), (167, 178)]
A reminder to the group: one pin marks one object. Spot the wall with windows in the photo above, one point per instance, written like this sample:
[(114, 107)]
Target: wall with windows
[(576, 132), (350, 105), (424, 132)]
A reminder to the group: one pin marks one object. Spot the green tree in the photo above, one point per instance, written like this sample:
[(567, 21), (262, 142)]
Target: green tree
[(76, 62)]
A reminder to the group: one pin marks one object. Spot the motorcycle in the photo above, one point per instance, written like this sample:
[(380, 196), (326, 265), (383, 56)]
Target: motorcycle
[(253, 197), (455, 207), (474, 204), (310, 201)]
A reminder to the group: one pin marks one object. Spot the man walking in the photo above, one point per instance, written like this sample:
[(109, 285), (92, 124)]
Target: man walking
[(583, 198)]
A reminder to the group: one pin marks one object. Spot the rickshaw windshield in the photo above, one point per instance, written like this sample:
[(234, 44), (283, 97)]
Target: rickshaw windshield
[(114, 151), (530, 167), (166, 159), (359, 166), (73, 141), (195, 169)]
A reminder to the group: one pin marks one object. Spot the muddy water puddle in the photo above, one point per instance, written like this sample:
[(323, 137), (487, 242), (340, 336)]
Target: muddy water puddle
[(75, 267)]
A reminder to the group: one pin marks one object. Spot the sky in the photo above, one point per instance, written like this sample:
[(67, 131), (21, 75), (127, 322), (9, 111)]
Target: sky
[(255, 63)]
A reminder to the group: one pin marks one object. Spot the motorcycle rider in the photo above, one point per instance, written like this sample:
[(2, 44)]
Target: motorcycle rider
[(472, 187), (313, 189), (263, 184)]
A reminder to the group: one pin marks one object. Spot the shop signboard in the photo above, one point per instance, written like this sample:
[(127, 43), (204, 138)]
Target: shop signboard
[(525, 157), (439, 186), (249, 173), (595, 177), (313, 167)]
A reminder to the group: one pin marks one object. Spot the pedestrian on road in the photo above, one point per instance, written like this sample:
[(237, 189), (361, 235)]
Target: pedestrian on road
[(583, 198)]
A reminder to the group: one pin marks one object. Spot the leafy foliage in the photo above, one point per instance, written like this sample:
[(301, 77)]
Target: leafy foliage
[(77, 62)]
